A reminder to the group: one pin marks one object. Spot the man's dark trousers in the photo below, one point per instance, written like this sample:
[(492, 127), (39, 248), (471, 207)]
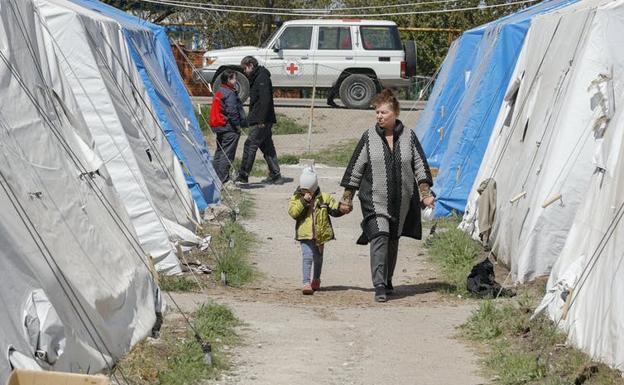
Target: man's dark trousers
[(259, 138), (227, 141)]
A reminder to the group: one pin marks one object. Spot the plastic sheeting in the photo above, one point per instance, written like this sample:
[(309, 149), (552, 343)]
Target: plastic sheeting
[(151, 53), (60, 230), (457, 133)]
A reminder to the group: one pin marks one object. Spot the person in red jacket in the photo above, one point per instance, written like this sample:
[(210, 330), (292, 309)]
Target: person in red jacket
[(227, 116)]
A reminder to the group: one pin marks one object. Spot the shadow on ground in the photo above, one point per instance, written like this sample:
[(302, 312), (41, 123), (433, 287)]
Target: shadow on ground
[(400, 291)]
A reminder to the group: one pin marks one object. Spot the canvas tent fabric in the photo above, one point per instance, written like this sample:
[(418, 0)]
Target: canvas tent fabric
[(151, 53), (77, 291), (583, 294), (540, 152), (457, 140), (111, 97)]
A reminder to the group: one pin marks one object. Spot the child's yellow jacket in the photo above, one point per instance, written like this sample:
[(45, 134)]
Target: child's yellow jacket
[(313, 223)]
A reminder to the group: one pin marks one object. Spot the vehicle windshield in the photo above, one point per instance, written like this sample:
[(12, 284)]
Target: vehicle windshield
[(267, 41)]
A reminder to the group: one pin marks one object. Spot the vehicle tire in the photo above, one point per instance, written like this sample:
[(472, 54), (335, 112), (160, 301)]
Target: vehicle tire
[(410, 58), (242, 85), (357, 91)]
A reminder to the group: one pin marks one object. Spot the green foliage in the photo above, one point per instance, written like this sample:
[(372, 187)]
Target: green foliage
[(178, 284), (177, 358), (455, 252), (217, 322), (336, 156), (288, 159), (521, 350), (286, 125), (202, 118), (233, 245)]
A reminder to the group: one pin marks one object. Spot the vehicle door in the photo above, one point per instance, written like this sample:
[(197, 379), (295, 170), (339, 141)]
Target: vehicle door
[(289, 58), (334, 53), (380, 49)]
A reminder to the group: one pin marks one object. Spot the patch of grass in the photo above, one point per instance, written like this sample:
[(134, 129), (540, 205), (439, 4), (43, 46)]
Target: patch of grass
[(521, 350), (178, 284), (288, 159), (216, 322), (233, 245), (177, 358), (202, 118), (450, 222), (455, 252), (336, 156), (286, 125)]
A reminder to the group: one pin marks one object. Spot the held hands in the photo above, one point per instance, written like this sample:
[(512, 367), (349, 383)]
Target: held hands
[(429, 201), (345, 208)]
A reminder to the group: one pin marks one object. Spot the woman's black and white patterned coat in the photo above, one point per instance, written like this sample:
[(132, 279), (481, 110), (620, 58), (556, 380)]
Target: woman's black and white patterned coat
[(388, 182)]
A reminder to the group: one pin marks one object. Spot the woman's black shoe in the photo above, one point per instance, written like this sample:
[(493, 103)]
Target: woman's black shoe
[(380, 293)]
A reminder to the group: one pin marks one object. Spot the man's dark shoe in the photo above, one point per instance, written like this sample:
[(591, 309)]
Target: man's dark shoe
[(273, 179), (331, 103), (389, 288), (380, 293), (241, 180)]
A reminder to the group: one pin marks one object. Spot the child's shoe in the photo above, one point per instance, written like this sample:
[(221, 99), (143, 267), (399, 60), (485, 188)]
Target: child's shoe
[(307, 289), (316, 284)]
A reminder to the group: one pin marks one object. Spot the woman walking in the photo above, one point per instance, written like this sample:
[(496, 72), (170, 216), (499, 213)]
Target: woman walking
[(390, 170)]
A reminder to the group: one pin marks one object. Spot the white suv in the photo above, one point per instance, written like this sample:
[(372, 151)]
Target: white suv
[(361, 55)]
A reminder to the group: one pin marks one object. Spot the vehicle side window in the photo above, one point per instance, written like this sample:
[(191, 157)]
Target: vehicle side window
[(296, 38), (334, 38), (380, 38)]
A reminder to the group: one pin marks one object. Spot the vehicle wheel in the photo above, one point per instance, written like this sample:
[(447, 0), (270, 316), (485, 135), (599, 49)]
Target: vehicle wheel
[(357, 91), (242, 85), (410, 58)]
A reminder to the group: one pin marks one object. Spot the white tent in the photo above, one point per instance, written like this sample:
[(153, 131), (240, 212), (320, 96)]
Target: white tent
[(540, 152), (584, 291), (76, 291), (112, 99)]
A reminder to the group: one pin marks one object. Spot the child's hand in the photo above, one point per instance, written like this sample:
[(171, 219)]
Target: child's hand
[(307, 196)]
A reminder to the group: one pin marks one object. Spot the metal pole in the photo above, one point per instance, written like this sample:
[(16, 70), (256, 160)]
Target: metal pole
[(312, 107)]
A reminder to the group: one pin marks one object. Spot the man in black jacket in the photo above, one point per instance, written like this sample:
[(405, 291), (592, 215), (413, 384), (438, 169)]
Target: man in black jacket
[(261, 119)]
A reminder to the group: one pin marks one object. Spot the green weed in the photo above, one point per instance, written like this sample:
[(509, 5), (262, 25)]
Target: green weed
[(177, 358), (178, 284), (233, 245), (286, 125), (455, 252)]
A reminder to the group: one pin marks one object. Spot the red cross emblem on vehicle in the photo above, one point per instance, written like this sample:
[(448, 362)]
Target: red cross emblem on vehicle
[(292, 68)]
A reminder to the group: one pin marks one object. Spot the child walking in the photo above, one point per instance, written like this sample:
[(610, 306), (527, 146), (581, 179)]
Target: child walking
[(311, 209)]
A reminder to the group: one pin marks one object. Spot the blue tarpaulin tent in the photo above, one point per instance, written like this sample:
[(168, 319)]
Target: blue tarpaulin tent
[(151, 52), (456, 125)]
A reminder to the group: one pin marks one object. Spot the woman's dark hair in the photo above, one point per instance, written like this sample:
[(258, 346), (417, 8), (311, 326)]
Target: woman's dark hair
[(387, 96), (227, 75), (247, 60)]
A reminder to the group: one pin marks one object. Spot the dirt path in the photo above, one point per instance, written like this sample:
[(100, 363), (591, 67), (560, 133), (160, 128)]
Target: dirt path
[(339, 335)]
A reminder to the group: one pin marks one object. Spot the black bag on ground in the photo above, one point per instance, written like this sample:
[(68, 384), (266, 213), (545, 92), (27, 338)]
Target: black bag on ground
[(481, 281)]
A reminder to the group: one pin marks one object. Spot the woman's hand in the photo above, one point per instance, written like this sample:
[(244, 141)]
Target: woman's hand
[(345, 208), (429, 201)]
